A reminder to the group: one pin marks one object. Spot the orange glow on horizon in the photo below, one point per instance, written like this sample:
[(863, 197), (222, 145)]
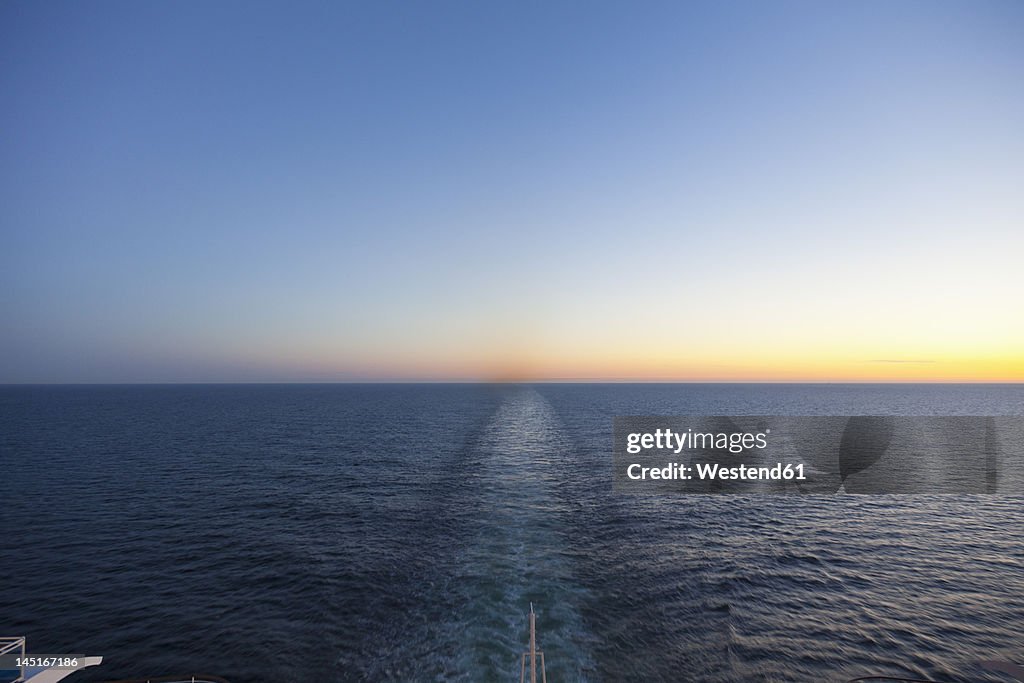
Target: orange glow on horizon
[(527, 367)]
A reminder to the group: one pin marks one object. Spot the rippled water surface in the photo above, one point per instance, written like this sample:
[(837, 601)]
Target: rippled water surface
[(399, 533)]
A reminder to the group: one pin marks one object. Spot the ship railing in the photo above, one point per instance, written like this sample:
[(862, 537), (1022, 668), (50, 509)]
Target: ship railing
[(532, 655), (9, 646)]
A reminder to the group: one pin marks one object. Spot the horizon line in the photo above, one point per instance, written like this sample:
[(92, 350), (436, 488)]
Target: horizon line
[(580, 380)]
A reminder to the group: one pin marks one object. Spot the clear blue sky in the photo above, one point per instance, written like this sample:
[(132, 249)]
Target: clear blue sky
[(239, 191)]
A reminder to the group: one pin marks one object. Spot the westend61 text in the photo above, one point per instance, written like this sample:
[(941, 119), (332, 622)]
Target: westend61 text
[(706, 471)]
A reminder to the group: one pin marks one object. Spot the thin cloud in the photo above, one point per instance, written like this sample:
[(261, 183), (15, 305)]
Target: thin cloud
[(895, 360)]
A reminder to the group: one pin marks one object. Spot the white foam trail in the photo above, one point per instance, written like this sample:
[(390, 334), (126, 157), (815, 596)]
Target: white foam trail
[(518, 555)]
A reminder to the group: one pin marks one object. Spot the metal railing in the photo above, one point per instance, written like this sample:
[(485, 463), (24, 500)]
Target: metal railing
[(532, 655), (14, 644)]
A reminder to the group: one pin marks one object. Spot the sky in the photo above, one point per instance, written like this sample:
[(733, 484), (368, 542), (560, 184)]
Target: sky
[(388, 191)]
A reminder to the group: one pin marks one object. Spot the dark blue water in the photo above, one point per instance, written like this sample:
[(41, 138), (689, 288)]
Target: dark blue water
[(399, 533)]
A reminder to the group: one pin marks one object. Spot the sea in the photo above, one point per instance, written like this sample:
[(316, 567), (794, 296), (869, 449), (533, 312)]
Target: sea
[(401, 532)]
